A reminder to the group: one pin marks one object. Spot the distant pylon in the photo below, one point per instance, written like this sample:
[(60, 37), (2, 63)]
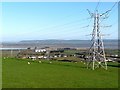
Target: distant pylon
[(96, 57)]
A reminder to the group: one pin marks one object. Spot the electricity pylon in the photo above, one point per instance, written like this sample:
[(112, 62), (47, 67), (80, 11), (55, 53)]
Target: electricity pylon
[(96, 57)]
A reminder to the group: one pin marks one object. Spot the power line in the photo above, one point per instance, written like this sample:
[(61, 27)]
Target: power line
[(62, 26), (113, 6), (73, 30), (107, 12), (97, 5)]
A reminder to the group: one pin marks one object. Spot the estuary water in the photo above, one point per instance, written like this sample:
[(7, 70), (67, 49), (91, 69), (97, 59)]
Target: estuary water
[(110, 44)]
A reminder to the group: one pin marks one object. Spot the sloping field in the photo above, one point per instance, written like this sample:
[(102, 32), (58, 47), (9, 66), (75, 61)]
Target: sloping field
[(17, 73)]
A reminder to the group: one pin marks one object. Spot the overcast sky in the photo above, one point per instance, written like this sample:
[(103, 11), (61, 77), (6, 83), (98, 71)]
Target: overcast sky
[(55, 20)]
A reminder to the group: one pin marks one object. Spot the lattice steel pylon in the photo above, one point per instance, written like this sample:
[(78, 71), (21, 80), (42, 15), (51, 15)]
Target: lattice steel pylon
[(96, 53)]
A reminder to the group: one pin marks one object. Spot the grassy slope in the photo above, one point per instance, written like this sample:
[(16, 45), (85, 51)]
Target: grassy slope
[(17, 73)]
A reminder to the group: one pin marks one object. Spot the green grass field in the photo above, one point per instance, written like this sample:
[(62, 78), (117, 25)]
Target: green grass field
[(18, 74)]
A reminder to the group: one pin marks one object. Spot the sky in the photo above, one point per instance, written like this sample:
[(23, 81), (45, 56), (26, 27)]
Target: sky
[(55, 20)]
